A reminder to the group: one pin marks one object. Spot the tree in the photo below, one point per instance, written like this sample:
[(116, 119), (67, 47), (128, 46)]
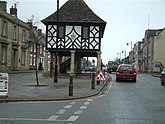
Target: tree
[(35, 37)]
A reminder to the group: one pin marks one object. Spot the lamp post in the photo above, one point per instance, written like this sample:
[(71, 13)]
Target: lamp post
[(120, 56), (130, 43), (56, 66), (124, 51)]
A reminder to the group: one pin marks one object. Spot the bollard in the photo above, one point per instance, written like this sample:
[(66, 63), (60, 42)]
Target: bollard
[(93, 81), (71, 86)]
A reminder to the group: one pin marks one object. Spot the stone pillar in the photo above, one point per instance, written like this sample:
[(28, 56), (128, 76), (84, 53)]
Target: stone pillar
[(46, 72), (98, 61), (72, 72), (72, 65), (58, 63), (78, 64)]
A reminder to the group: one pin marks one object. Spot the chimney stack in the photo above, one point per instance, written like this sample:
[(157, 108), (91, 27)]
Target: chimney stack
[(3, 5), (13, 10)]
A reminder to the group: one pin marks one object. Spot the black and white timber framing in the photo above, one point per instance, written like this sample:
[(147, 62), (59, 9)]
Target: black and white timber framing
[(80, 29)]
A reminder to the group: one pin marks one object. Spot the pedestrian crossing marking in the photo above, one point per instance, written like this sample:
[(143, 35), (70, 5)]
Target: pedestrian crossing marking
[(73, 118), (53, 118)]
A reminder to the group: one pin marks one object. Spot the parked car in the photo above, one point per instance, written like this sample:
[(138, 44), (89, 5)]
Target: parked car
[(126, 72), (162, 77)]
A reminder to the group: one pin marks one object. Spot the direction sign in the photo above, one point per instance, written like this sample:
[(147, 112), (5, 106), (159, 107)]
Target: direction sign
[(4, 84), (100, 76)]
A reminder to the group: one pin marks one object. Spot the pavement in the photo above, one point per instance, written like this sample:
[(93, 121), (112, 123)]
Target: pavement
[(156, 75), (23, 87)]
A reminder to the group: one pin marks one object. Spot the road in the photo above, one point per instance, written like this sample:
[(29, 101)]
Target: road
[(142, 102)]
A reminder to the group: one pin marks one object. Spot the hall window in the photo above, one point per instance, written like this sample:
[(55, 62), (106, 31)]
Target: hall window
[(61, 32), (85, 32)]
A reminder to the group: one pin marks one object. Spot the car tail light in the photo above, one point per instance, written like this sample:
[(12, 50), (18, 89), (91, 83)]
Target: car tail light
[(117, 72), (134, 73)]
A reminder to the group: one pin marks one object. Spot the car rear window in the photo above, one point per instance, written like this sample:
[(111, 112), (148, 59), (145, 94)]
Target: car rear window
[(126, 68)]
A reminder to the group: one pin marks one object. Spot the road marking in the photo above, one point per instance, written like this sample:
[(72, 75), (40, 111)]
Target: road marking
[(90, 100), (72, 103), (22, 119), (86, 103), (83, 107), (78, 112), (68, 106), (73, 118), (61, 111), (53, 118)]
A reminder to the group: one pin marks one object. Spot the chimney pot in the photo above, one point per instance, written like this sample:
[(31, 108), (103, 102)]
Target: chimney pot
[(13, 10), (3, 5)]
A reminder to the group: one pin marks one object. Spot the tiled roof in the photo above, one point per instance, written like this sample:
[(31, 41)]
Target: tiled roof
[(74, 11)]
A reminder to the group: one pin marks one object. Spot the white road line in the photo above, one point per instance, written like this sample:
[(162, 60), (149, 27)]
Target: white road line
[(68, 106), (83, 107), (90, 100), (86, 103), (53, 118), (61, 111), (22, 119), (72, 103), (78, 112), (73, 118)]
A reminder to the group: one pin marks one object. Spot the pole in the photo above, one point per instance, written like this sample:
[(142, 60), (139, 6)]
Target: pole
[(71, 86), (56, 66), (36, 65), (93, 81), (132, 52)]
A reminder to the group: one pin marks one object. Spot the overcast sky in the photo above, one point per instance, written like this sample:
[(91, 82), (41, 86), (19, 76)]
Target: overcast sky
[(126, 20)]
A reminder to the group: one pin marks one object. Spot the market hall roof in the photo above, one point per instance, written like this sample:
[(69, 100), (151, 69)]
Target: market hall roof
[(75, 11)]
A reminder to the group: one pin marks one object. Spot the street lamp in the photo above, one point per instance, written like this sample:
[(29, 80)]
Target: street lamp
[(56, 66), (120, 55), (124, 51)]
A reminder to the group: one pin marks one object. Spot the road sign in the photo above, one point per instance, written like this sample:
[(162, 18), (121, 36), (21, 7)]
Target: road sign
[(100, 76), (4, 80)]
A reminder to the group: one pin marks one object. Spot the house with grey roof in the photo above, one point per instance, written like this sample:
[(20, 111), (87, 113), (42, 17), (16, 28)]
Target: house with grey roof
[(74, 30)]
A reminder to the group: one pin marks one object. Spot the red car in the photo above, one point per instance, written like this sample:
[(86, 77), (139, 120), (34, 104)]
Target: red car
[(126, 72)]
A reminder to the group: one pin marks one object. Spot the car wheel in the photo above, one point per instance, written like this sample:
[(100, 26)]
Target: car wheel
[(117, 79)]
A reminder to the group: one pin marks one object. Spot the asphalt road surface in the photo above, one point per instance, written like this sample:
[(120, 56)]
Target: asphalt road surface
[(142, 102)]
